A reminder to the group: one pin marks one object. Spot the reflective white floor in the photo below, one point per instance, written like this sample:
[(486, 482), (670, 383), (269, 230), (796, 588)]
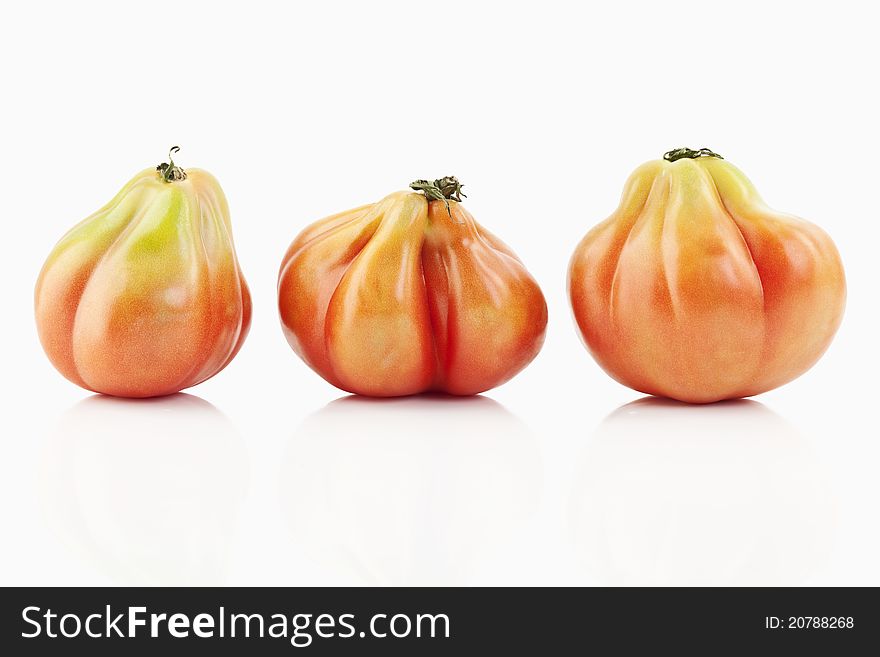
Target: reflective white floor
[(431, 490)]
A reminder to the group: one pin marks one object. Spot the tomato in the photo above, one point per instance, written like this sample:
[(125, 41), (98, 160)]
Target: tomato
[(408, 295), (145, 297), (694, 289)]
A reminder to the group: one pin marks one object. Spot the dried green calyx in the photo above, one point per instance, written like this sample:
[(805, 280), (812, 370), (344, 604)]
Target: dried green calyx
[(685, 152), (170, 171), (442, 189)]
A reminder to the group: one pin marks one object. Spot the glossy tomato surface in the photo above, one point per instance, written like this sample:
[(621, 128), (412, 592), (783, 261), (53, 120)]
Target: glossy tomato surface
[(145, 297), (694, 289), (404, 296)]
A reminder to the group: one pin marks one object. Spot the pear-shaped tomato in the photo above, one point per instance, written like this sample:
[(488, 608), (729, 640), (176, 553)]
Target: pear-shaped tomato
[(145, 297), (408, 295), (694, 289)]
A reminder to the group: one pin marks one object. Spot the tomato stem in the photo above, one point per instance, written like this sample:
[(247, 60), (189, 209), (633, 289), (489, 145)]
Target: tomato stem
[(685, 152), (170, 171), (442, 189)]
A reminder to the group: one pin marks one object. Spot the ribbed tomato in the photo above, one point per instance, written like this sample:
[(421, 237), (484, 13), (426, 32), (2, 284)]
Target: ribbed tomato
[(694, 289), (407, 295), (145, 297)]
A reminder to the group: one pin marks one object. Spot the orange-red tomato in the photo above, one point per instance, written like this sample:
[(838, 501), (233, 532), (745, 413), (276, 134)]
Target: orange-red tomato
[(694, 289), (408, 295), (145, 297)]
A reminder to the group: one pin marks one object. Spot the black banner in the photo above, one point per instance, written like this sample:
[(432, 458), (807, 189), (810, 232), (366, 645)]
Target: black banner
[(340, 621)]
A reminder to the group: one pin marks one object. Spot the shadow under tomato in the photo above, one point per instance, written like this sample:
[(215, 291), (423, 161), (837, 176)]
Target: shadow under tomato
[(409, 490), (147, 490), (426, 399), (721, 494)]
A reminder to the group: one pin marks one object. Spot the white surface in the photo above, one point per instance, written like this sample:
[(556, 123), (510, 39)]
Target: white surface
[(543, 110)]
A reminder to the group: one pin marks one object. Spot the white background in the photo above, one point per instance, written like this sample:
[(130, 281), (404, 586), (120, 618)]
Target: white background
[(267, 475)]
